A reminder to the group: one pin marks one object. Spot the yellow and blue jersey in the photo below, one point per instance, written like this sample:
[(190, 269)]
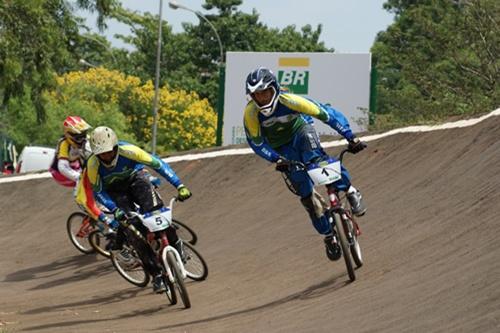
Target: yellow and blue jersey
[(96, 178), (265, 134)]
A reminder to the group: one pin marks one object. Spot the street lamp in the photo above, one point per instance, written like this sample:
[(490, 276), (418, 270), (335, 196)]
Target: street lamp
[(84, 62), (220, 96), (157, 83), (103, 45)]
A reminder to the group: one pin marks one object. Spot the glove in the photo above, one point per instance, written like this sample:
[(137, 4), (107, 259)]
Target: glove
[(184, 193), (355, 146), (282, 165), (120, 215), (114, 224)]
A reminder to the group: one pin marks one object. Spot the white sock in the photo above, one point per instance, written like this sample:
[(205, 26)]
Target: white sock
[(351, 190)]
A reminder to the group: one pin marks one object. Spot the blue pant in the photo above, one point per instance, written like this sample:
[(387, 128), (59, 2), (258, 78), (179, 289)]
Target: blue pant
[(305, 147)]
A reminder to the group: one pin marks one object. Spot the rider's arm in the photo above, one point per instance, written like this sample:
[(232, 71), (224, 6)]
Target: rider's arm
[(137, 154), (66, 170), (254, 137), (325, 113)]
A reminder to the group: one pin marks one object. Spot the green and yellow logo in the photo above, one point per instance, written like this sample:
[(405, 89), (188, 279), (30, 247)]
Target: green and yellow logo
[(294, 79)]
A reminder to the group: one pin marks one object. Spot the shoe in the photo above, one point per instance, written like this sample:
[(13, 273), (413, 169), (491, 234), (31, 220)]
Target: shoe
[(179, 246), (357, 205), (158, 285), (333, 251), (124, 256)]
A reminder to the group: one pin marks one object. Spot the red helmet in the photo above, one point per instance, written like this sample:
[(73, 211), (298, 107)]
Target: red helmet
[(75, 130)]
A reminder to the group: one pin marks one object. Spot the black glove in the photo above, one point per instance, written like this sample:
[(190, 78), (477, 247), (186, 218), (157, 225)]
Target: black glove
[(355, 146), (282, 165)]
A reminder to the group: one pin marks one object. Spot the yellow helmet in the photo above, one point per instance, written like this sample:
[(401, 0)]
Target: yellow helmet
[(75, 130)]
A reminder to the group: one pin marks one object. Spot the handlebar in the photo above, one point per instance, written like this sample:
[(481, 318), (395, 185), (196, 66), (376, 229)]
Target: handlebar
[(303, 166)]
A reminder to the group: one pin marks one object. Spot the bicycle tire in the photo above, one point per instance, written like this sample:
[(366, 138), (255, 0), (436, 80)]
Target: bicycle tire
[(78, 235), (132, 272), (196, 266), (179, 281), (354, 246), (343, 244), (95, 238), (170, 291), (184, 232)]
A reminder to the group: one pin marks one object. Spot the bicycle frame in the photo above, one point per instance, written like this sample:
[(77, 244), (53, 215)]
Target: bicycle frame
[(165, 247)]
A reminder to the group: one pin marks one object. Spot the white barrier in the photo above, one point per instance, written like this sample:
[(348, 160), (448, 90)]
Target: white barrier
[(245, 151)]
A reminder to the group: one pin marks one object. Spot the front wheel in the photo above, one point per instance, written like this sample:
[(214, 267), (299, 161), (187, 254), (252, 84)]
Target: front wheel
[(195, 266), (352, 237), (344, 245), (79, 226), (128, 264), (179, 281)]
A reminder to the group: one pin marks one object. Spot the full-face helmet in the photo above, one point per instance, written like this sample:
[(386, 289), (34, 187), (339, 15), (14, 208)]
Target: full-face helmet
[(263, 88)]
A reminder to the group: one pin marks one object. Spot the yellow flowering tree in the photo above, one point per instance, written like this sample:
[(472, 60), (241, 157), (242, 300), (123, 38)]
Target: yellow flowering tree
[(123, 102)]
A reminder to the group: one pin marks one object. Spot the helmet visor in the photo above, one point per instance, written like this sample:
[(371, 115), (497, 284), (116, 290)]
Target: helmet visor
[(79, 138)]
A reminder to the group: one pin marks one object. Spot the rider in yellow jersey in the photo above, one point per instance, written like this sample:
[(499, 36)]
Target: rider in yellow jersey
[(115, 176), (70, 152)]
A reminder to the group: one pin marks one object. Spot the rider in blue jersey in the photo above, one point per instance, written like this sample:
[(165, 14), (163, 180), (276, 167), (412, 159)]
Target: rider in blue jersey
[(279, 128), (116, 177)]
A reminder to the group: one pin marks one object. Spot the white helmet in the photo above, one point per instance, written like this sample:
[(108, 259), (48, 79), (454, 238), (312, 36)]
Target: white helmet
[(102, 140)]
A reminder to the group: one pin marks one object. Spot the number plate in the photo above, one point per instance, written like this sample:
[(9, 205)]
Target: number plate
[(325, 172), (158, 220)]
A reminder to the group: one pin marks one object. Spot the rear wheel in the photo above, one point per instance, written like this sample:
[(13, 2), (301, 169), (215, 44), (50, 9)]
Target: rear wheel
[(344, 245), (195, 266), (179, 281), (98, 242), (184, 232), (130, 267), (79, 226)]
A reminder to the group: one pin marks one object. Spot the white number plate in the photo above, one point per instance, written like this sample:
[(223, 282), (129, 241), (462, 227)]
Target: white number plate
[(325, 172), (158, 220)]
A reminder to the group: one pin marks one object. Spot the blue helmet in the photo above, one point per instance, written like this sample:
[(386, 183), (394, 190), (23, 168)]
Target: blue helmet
[(259, 80)]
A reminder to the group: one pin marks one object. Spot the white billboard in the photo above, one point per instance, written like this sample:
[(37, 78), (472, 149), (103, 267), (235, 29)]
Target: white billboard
[(342, 80)]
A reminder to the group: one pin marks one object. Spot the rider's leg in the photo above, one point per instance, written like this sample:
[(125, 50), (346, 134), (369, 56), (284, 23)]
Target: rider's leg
[(305, 147), (353, 195)]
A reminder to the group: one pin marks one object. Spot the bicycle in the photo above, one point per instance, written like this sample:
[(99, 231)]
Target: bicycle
[(97, 237), (341, 219), (79, 226), (173, 268)]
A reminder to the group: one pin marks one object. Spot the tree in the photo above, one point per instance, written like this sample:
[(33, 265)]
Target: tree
[(190, 59), (37, 40), (438, 59)]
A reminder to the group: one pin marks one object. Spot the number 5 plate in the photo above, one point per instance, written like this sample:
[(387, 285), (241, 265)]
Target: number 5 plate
[(158, 220), (325, 172)]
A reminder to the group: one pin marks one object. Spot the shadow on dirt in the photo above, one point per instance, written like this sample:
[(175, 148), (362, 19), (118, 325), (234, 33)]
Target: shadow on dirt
[(102, 300), (77, 265), (316, 290)]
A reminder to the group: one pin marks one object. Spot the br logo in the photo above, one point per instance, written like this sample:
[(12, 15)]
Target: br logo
[(296, 81)]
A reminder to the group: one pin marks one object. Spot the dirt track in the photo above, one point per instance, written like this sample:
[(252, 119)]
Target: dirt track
[(430, 242)]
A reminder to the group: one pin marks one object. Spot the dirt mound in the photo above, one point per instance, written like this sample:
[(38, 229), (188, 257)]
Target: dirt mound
[(430, 244)]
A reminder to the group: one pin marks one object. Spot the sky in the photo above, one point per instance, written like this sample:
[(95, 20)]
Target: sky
[(349, 26)]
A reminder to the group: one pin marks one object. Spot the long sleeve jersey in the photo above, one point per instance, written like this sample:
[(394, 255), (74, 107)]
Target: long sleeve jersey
[(96, 178), (264, 134)]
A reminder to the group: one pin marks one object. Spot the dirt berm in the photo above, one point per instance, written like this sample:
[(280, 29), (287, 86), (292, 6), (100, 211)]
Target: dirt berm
[(430, 240)]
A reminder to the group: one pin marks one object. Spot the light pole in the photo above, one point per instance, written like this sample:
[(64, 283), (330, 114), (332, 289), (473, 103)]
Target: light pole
[(220, 96), (157, 83)]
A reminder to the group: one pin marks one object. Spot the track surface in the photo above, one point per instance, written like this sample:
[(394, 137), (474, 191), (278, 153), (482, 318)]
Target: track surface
[(430, 243)]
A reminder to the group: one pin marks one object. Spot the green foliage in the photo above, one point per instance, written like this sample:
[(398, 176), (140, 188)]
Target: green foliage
[(439, 59), (190, 59)]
